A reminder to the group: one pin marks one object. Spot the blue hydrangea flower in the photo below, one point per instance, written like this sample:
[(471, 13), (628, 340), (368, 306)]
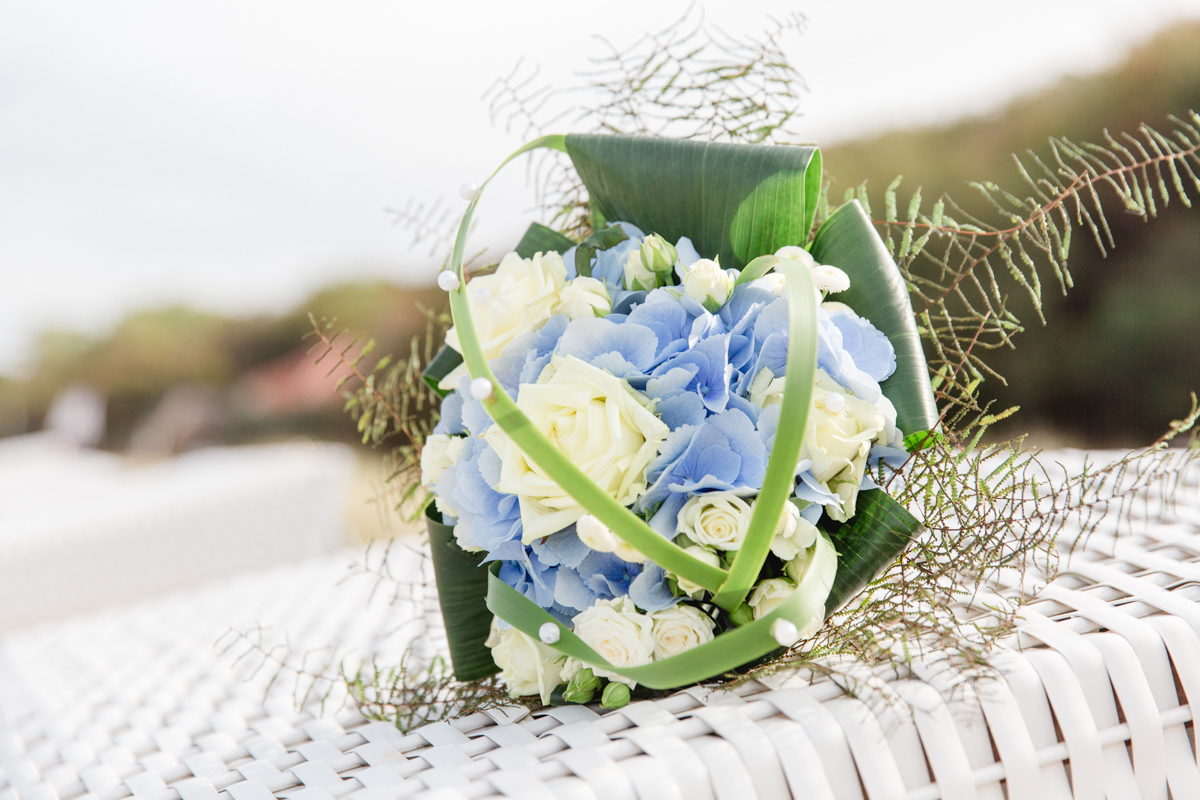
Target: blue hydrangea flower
[(725, 453), (866, 345)]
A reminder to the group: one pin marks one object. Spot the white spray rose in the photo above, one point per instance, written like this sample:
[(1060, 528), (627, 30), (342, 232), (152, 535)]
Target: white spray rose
[(766, 389), (584, 298), (716, 519), (680, 628), (596, 535), (439, 451), (838, 440), (793, 535), (596, 421), (527, 666), (826, 279), (705, 554), (517, 298), (708, 284), (621, 635), (768, 595), (638, 276), (814, 569)]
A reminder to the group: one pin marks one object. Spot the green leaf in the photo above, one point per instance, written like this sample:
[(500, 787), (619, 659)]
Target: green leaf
[(868, 543), (919, 440), (462, 584), (878, 293), (601, 239), (734, 201), (540, 239), (442, 365)]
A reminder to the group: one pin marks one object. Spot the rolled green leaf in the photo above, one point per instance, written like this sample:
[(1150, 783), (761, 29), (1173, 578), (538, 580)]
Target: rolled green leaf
[(734, 201), (848, 240), (442, 365), (540, 239), (868, 543), (462, 584)]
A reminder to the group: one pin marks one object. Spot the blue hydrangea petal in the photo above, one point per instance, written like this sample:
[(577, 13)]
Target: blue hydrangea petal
[(649, 590)]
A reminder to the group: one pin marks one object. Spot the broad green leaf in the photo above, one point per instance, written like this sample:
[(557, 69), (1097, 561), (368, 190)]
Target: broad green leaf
[(442, 365), (734, 201), (462, 584), (540, 239), (868, 543), (878, 293)]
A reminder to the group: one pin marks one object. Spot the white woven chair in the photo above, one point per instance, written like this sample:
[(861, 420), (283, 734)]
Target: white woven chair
[(1095, 702)]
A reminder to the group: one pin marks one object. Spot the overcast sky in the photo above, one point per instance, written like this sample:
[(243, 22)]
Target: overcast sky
[(238, 155)]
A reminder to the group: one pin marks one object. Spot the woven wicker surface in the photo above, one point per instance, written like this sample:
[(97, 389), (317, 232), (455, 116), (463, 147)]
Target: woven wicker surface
[(1095, 701)]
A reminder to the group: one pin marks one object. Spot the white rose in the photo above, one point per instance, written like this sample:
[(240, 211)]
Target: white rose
[(527, 666), (716, 519), (597, 536), (517, 298), (584, 297), (708, 284), (814, 569), (708, 556), (439, 451), (837, 439), (766, 389), (794, 533), (767, 596), (680, 628), (637, 275), (596, 421), (615, 630)]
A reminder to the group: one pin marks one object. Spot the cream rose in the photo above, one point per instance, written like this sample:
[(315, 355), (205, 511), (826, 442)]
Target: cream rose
[(814, 570), (638, 276), (837, 439), (517, 298), (597, 536), (584, 297), (793, 535), (621, 635), (715, 519), (705, 554), (439, 451), (708, 284), (596, 421), (527, 666), (680, 628), (768, 595)]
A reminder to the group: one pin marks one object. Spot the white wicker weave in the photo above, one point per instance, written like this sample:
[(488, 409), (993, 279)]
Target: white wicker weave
[(1095, 702)]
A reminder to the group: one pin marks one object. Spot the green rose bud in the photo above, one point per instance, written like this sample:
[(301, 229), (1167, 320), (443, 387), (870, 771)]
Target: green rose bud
[(658, 255), (581, 687), (616, 695), (741, 615)]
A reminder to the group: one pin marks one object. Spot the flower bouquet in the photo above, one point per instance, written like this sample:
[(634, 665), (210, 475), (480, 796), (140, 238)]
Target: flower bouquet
[(663, 449)]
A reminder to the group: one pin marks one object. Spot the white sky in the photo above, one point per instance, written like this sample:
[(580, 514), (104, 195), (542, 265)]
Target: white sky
[(236, 155)]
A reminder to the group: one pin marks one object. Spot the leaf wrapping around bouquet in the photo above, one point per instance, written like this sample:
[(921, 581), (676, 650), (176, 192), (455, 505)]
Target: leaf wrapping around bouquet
[(868, 543), (462, 586), (734, 201), (848, 241)]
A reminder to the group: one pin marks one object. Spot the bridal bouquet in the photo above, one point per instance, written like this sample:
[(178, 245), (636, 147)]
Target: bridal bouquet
[(663, 450)]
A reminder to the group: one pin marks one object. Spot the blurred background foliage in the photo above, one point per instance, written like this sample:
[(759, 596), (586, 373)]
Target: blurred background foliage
[(1112, 366)]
